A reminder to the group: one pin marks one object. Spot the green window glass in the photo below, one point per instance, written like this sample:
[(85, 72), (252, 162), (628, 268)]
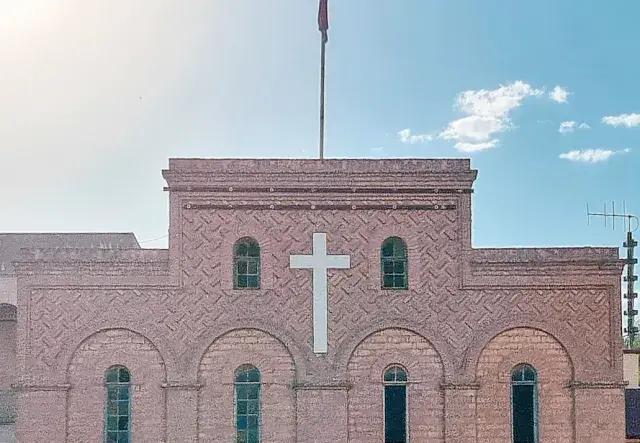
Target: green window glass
[(394, 264), (395, 405), (247, 384), (524, 404), (246, 256), (117, 426)]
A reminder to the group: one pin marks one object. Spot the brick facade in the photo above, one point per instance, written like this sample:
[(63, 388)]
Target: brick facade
[(175, 320)]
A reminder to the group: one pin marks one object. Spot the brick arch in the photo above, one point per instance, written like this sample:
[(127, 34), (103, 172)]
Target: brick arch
[(69, 344), (425, 397), (294, 349), (559, 333), (216, 375), (351, 342), (86, 396), (546, 354)]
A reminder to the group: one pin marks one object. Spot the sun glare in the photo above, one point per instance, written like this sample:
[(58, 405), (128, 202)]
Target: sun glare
[(26, 16)]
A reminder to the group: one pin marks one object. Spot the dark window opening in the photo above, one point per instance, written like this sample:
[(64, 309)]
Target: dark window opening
[(524, 404)]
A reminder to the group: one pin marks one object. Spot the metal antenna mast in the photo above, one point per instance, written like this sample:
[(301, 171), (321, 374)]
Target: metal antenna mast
[(630, 261)]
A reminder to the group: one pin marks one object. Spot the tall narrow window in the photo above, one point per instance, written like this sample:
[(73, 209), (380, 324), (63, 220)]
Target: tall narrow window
[(394, 264), (246, 255), (524, 404), (395, 405), (117, 427), (247, 381)]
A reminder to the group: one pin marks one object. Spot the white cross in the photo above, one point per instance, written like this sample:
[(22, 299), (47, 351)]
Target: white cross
[(319, 262)]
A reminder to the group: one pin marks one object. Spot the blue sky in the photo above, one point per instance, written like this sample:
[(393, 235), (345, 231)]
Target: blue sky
[(95, 98)]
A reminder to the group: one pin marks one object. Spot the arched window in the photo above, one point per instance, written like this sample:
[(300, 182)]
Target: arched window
[(247, 383), (395, 405), (524, 404), (117, 427), (246, 255), (394, 264)]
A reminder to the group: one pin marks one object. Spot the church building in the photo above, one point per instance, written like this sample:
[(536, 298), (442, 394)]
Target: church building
[(319, 301)]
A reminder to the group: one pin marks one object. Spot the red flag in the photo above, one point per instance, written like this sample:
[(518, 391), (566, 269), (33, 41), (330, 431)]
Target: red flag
[(323, 19)]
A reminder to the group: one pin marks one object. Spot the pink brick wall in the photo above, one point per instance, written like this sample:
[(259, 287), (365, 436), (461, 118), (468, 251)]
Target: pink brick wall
[(424, 393), (216, 415), (192, 328), (86, 401), (7, 363), (547, 356), (7, 349)]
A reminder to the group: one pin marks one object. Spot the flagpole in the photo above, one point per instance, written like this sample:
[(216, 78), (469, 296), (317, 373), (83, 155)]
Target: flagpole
[(322, 73)]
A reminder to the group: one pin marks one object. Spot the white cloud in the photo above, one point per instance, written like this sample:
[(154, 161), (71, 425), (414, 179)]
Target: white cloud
[(488, 115), (559, 94), (406, 136), (475, 128), (377, 152), (591, 155), (628, 120), (570, 126), (566, 127), (475, 147)]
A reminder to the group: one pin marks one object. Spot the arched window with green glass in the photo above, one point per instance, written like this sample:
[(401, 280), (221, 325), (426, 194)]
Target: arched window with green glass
[(246, 257), (117, 427), (247, 386), (524, 404), (394, 264), (395, 404)]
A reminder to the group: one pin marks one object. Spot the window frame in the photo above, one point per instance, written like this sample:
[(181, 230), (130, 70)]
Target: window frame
[(395, 258), (404, 384), (249, 241), (240, 370), (118, 385), (534, 383)]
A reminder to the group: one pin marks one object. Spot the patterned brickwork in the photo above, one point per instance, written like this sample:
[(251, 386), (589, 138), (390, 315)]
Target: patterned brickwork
[(459, 302), (216, 413), (424, 394), (86, 396), (545, 354)]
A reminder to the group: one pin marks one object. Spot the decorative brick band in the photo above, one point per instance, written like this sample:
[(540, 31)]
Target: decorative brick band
[(309, 206), (33, 388), (576, 384), (327, 190), (319, 386), (182, 386), (460, 386)]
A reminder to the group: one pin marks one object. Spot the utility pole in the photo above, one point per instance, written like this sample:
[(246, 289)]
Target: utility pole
[(630, 278)]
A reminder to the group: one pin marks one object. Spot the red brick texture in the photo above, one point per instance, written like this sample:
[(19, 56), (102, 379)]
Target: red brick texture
[(216, 415), (86, 376), (173, 317), (547, 356), (425, 398)]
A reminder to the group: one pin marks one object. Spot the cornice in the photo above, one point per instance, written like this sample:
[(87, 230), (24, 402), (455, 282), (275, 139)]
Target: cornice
[(321, 207), (119, 262), (326, 189)]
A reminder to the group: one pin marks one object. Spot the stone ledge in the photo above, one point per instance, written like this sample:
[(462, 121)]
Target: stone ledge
[(322, 386), (578, 384), (460, 386), (182, 386), (32, 388)]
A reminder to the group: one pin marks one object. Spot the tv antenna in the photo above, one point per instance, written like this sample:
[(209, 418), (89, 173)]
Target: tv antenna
[(631, 224)]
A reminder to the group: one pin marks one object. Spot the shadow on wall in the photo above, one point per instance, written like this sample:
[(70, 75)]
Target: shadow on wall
[(7, 433), (7, 372)]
